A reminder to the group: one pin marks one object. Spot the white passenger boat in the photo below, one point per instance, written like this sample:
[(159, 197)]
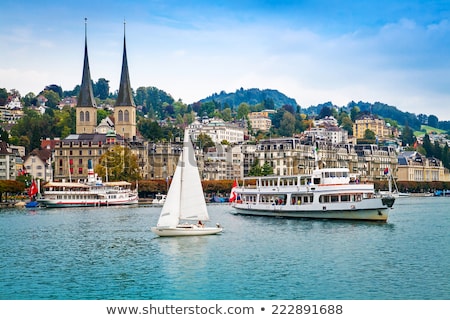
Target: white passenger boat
[(327, 193), (92, 193)]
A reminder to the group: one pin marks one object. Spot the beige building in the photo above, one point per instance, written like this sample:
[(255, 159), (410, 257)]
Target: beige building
[(259, 121), (412, 166), (38, 164), (291, 156), (378, 126)]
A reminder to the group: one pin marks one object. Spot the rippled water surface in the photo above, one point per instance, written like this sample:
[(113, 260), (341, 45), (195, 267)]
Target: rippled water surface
[(110, 253)]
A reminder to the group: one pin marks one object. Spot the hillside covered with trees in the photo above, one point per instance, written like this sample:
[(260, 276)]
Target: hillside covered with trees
[(272, 99)]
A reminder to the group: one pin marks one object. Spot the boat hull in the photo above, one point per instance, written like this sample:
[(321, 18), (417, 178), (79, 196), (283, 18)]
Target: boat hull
[(188, 230), (375, 214), (50, 203)]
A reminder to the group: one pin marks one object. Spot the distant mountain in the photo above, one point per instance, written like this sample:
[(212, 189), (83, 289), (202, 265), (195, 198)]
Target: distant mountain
[(271, 98)]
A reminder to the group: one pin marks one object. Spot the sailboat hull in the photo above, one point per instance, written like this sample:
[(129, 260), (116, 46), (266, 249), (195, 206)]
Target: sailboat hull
[(185, 230)]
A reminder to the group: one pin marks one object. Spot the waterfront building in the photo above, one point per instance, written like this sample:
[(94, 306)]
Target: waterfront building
[(162, 159), (38, 164), (291, 156), (413, 166)]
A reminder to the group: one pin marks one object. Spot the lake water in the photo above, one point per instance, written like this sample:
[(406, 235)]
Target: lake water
[(110, 253)]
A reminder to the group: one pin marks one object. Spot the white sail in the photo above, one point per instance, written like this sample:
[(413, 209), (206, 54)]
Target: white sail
[(185, 199), (169, 216), (193, 204)]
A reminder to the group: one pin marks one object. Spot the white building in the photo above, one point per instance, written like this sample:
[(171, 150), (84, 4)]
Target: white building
[(218, 131), (7, 162)]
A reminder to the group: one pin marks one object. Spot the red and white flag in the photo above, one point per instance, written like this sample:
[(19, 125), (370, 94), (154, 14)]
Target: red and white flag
[(233, 194), (33, 189)]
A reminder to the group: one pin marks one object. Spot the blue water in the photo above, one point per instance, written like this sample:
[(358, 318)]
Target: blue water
[(110, 253)]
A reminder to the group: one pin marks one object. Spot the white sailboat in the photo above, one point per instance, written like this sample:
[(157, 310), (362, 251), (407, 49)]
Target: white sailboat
[(185, 200)]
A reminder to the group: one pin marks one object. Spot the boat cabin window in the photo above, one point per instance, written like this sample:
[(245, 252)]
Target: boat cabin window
[(300, 199), (340, 198), (316, 180), (249, 198)]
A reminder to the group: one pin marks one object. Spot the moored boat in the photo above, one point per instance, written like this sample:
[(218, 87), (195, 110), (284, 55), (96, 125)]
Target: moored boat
[(327, 193), (93, 193), (159, 199)]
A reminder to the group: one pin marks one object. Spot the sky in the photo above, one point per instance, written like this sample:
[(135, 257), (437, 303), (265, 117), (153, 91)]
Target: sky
[(394, 52)]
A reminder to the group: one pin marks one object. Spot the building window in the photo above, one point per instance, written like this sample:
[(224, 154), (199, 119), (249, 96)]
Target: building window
[(81, 116), (87, 116), (80, 152), (127, 116), (80, 161), (120, 116), (80, 170)]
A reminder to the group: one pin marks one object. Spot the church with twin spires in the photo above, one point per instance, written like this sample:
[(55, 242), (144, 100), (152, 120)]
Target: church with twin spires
[(73, 153)]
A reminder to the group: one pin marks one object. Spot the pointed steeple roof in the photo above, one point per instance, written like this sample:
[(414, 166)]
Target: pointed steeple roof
[(125, 97), (86, 96)]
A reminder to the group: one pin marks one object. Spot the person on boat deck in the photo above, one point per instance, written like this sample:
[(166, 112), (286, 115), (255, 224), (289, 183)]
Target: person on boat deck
[(200, 223)]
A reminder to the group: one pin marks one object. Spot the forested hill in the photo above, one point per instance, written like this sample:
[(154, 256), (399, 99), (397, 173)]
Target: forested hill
[(272, 99), (387, 111)]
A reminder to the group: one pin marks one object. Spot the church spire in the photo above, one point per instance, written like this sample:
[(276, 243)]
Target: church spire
[(86, 96), (125, 97)]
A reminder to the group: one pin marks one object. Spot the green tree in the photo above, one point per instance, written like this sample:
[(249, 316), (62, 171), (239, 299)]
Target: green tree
[(29, 99), (287, 125), (347, 124), (433, 121), (204, 141), (407, 136), (354, 113), (427, 146), (446, 156), (325, 112), (102, 114), (56, 89), (437, 150), (369, 135), (150, 129), (118, 164), (3, 96), (267, 169), (242, 111), (255, 169), (52, 97), (4, 136), (101, 89)]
